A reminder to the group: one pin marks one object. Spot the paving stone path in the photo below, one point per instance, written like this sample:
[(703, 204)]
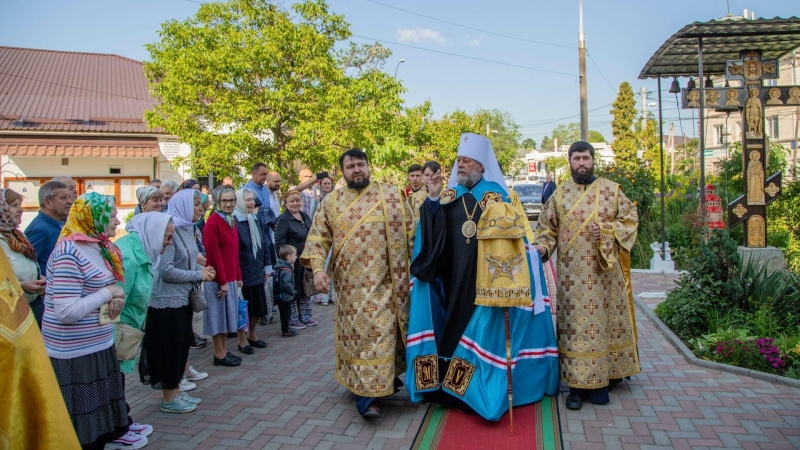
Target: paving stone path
[(286, 398)]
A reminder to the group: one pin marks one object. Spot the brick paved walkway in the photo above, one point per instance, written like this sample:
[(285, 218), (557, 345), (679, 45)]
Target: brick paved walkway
[(286, 397)]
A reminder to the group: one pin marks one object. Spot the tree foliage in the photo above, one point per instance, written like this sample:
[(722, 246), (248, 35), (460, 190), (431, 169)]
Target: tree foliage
[(625, 142), (529, 143), (250, 80), (569, 133), (649, 143)]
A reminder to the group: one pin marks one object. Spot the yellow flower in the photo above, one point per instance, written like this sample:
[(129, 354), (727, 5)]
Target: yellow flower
[(633, 181), (635, 203), (797, 349)]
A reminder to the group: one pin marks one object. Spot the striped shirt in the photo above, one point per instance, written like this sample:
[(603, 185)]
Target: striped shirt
[(76, 279)]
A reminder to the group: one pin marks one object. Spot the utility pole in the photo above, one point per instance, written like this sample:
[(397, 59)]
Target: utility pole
[(643, 94), (796, 116), (582, 72)]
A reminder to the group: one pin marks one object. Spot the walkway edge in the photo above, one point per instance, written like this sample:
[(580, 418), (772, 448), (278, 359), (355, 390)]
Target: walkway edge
[(692, 359)]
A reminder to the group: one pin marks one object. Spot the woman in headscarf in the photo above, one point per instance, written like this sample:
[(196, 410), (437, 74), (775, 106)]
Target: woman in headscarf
[(254, 261), (148, 237), (149, 198), (82, 276), (220, 238), (169, 315), (20, 251), (189, 184)]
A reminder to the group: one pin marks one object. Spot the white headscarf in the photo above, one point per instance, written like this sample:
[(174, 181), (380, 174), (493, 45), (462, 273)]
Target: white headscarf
[(151, 228), (241, 214), (181, 207), (479, 148)]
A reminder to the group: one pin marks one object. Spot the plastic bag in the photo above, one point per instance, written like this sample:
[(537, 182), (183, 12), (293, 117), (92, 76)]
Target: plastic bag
[(242, 315)]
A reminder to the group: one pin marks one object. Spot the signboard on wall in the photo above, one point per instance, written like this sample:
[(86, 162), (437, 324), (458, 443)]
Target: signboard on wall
[(170, 147), (531, 166)]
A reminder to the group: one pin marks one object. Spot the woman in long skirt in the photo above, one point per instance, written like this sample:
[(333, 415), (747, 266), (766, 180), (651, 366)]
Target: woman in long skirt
[(221, 241), (82, 276), (168, 327)]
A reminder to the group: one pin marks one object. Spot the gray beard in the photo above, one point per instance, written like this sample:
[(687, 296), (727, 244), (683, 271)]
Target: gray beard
[(358, 185), (468, 180)]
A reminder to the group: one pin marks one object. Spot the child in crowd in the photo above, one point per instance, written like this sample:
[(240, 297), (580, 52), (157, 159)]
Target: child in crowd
[(283, 290)]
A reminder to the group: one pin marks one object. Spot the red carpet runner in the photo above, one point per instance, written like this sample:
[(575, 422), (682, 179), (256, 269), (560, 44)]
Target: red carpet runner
[(536, 426)]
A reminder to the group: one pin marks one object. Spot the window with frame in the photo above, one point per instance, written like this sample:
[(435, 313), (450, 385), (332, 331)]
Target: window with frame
[(773, 128), (719, 134), (122, 188)]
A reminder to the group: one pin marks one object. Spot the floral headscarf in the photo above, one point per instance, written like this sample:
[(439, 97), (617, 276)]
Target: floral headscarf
[(218, 205), (88, 221), (16, 240), (187, 184)]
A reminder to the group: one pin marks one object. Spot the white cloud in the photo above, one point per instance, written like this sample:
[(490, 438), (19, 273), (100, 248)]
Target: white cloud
[(420, 34), (475, 42)]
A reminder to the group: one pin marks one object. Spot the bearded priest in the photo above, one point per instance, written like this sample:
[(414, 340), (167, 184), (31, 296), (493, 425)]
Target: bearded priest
[(472, 263)]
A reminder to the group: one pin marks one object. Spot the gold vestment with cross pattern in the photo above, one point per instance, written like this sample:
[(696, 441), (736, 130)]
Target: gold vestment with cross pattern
[(370, 233), (596, 326)]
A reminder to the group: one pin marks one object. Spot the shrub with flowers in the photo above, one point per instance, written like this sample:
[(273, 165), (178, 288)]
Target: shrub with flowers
[(756, 354)]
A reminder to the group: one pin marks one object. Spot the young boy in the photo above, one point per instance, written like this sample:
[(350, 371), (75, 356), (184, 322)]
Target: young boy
[(287, 255)]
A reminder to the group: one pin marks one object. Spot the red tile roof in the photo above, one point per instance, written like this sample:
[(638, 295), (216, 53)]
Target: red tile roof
[(46, 90), (73, 147)]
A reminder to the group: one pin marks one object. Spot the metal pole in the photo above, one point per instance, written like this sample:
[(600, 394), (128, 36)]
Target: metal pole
[(402, 60), (701, 83), (661, 154), (582, 71), (796, 119)]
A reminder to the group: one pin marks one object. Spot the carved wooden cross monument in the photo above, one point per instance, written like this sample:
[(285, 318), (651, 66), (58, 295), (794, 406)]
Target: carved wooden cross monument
[(752, 98)]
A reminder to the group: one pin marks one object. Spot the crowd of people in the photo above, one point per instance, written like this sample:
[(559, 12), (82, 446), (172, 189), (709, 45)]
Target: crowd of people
[(421, 276)]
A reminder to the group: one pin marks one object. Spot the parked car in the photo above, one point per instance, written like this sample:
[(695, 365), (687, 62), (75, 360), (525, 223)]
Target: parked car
[(526, 179), (530, 195)]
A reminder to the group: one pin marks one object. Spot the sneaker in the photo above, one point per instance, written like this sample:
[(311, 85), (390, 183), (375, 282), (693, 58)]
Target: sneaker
[(177, 406), (128, 440), (290, 333), (141, 429), (297, 326), (198, 344), (193, 375), (189, 399), (311, 323), (274, 310), (186, 385)]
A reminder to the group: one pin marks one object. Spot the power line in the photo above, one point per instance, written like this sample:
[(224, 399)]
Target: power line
[(598, 69), (471, 28), (467, 57)]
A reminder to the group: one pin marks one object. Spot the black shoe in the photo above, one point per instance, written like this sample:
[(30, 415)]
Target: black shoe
[(197, 338), (232, 335), (247, 350), (227, 361), (574, 401), (232, 356), (257, 344), (290, 333), (198, 344)]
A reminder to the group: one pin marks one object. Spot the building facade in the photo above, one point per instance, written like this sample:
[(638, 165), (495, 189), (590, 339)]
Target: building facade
[(80, 115)]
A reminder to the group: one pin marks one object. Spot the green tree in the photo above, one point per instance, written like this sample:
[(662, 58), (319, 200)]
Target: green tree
[(529, 143), (625, 142), (250, 80), (547, 144), (649, 143), (596, 136), (567, 133), (557, 165)]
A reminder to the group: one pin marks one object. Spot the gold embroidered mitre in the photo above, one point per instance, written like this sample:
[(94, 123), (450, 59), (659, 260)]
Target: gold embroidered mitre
[(503, 278)]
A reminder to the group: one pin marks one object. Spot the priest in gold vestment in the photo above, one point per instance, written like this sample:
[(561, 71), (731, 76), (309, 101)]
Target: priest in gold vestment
[(32, 410), (369, 227), (593, 226)]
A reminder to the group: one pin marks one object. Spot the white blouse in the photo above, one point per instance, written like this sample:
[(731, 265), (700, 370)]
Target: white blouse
[(24, 268)]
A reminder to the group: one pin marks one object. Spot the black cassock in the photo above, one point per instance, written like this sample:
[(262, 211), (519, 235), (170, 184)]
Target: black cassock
[(445, 254)]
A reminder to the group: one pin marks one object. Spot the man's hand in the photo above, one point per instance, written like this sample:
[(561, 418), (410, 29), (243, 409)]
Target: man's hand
[(542, 251), (322, 282), (595, 232), (435, 184)]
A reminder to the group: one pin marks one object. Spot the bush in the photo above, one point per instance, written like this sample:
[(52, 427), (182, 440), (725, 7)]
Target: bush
[(711, 283), (756, 354)]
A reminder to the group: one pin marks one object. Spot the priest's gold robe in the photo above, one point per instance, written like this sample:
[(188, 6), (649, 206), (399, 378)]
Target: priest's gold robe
[(415, 200), (595, 317), (32, 410), (371, 233)]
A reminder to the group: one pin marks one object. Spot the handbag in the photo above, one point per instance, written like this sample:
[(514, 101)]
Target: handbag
[(126, 341), (308, 283), (196, 298)]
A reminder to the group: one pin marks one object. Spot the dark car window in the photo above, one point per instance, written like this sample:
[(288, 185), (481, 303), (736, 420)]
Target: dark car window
[(528, 190)]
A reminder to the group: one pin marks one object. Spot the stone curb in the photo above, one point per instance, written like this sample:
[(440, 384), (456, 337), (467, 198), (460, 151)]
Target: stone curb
[(692, 359)]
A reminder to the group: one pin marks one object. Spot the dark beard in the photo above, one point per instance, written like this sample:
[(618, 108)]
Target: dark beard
[(582, 179), (358, 185)]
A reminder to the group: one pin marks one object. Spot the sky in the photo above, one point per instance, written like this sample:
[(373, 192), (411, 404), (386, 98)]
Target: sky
[(530, 72)]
